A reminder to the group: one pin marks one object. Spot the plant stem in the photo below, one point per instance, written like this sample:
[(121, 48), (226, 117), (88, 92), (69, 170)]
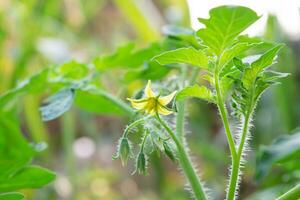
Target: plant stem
[(180, 120), (237, 162), (292, 194), (185, 163), (223, 113), (133, 124)]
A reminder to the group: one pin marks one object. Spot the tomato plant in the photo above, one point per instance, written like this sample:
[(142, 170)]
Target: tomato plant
[(216, 64)]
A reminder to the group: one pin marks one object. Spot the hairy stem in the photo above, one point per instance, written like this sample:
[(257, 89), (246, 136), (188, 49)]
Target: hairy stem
[(292, 194), (133, 124), (237, 162), (223, 113), (233, 182), (185, 163)]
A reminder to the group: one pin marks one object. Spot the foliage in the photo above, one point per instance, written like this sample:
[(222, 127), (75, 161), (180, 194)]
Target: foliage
[(216, 64)]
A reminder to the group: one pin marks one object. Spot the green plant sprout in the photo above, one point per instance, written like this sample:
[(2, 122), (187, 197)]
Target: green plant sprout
[(234, 78)]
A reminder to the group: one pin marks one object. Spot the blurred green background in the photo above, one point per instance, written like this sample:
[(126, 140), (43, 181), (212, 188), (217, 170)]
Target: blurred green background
[(36, 34)]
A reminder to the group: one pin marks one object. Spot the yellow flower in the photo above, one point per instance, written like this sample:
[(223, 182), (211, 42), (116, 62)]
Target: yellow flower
[(153, 104)]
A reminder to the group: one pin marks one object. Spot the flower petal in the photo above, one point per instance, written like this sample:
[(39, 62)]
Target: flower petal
[(163, 110), (138, 104), (167, 99), (148, 90)]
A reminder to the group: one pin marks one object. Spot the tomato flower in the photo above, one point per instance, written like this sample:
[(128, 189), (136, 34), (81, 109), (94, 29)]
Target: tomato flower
[(152, 103)]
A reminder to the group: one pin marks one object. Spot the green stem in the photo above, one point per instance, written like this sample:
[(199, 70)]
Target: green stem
[(237, 162), (133, 124), (180, 120), (68, 136), (223, 113), (292, 194), (185, 163)]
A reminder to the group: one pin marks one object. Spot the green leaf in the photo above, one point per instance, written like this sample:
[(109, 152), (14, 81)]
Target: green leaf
[(57, 104), (284, 149), (12, 158), (126, 57), (184, 34), (259, 65), (28, 177), (97, 100), (150, 71), (184, 55), (70, 70), (234, 51), (224, 25), (267, 58), (31, 85), (11, 196), (201, 92)]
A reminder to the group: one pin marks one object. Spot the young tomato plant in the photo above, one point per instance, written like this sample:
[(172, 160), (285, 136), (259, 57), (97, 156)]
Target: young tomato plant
[(236, 78)]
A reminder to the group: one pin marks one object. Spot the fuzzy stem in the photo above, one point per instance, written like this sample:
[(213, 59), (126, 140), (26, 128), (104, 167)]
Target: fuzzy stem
[(292, 194), (185, 163), (180, 120), (237, 162), (223, 113), (133, 124)]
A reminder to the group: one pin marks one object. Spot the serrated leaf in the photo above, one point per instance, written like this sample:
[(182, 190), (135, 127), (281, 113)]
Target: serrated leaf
[(197, 91), (259, 65), (267, 58), (184, 55), (224, 25), (57, 104), (234, 51), (11, 196), (28, 177), (271, 76), (185, 34), (284, 149)]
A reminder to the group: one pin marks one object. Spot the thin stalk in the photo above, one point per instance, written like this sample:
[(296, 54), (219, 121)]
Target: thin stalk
[(292, 194), (133, 124), (237, 162), (68, 136), (180, 108), (185, 163), (223, 113)]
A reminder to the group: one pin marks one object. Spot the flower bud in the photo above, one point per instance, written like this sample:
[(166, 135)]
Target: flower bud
[(141, 163), (124, 150), (169, 152)]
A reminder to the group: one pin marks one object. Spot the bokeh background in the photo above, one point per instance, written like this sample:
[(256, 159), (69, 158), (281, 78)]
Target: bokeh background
[(35, 34)]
